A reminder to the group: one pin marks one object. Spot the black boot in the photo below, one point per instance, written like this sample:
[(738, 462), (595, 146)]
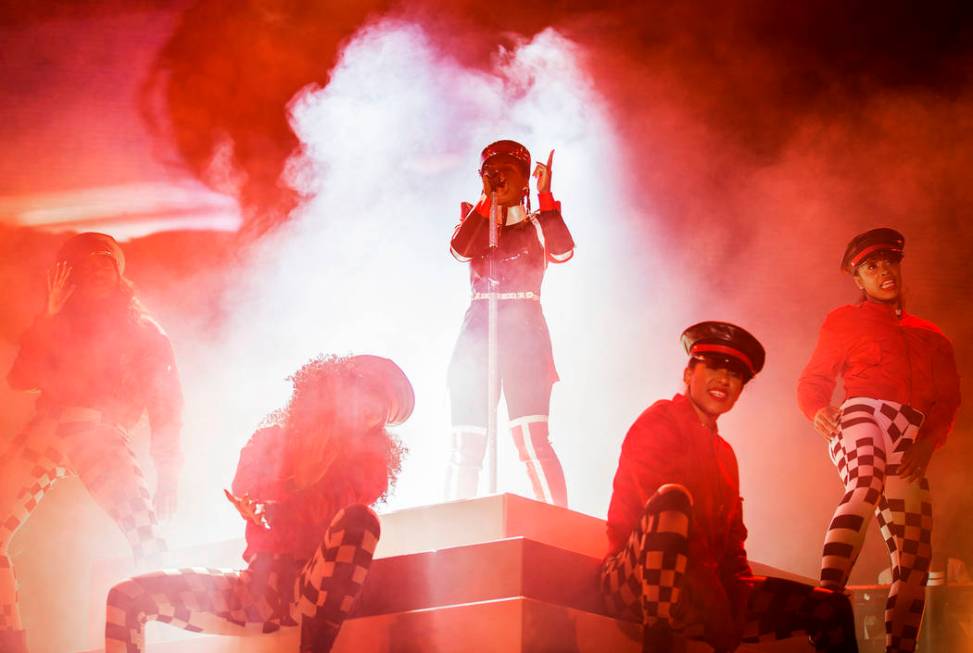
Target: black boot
[(13, 641), (657, 638), (318, 634)]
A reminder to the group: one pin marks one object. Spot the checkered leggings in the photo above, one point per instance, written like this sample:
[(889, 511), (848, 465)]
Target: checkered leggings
[(645, 581), (272, 593), (74, 442), (867, 452)]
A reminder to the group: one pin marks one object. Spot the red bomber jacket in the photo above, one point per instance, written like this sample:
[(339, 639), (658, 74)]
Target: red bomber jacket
[(668, 444), (523, 249), (298, 518), (122, 365), (907, 360)]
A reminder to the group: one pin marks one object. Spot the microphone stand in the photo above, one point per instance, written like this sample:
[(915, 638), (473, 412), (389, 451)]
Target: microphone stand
[(493, 381)]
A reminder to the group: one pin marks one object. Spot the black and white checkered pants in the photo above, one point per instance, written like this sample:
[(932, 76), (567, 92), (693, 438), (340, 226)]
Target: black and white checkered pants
[(71, 442), (867, 451), (645, 581), (272, 593)]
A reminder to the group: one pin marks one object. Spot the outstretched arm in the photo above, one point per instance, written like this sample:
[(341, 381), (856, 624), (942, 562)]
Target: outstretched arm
[(945, 377), (817, 381), (939, 420)]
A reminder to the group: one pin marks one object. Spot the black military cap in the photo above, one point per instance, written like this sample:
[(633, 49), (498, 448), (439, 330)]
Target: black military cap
[(727, 343), (76, 248), (507, 149), (875, 240)]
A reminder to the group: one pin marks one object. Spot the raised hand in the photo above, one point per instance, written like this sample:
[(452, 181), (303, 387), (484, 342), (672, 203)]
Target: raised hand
[(542, 173), (59, 291)]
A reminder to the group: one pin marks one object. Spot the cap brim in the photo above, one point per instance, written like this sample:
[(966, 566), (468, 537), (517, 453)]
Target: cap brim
[(390, 377)]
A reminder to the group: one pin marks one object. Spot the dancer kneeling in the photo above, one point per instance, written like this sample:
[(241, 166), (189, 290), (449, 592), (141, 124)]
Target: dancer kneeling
[(675, 523), (304, 484)]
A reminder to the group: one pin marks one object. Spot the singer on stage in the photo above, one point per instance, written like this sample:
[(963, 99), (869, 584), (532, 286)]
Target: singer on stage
[(526, 242)]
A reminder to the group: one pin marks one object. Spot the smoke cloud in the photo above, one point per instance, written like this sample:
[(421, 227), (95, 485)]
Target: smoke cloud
[(735, 151), (712, 161), (710, 165)]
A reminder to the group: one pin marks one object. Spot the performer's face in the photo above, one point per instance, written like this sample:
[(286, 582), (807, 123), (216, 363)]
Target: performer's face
[(880, 276), (96, 276), (712, 387), (511, 182)]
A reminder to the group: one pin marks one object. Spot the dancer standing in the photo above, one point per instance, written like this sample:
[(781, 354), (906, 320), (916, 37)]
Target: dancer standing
[(99, 362), (304, 484), (901, 395), (675, 523), (527, 242)]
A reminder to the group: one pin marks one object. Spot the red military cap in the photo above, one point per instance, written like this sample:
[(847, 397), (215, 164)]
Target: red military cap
[(727, 343), (507, 149), (871, 242)]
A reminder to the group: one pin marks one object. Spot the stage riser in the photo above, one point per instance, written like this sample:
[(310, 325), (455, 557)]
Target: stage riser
[(493, 570), (405, 532), (461, 523), (515, 625), (515, 573)]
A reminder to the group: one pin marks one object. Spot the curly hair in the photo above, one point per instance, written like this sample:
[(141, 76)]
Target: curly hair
[(334, 427)]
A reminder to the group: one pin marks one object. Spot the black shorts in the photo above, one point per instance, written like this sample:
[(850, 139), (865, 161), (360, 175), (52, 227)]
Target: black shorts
[(524, 358)]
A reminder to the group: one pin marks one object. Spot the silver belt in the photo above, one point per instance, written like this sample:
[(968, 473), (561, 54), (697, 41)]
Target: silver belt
[(530, 294)]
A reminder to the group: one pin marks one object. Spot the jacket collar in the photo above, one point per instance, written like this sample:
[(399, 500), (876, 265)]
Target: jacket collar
[(686, 409), (879, 308), (515, 215)]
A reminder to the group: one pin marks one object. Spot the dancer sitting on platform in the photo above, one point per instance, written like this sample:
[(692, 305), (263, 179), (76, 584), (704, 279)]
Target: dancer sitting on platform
[(99, 362), (526, 243), (304, 484), (675, 523), (901, 395)]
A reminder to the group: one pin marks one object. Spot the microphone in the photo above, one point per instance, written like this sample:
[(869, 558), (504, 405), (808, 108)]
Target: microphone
[(495, 177)]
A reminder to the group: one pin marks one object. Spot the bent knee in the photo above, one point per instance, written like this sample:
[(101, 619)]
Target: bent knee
[(671, 500), (358, 517), (675, 493), (124, 595)]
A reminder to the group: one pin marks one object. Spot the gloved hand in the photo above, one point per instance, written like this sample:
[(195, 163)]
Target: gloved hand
[(251, 510)]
